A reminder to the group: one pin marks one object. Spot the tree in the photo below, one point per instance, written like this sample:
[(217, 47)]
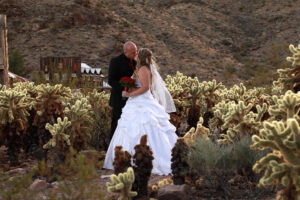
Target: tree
[(16, 63)]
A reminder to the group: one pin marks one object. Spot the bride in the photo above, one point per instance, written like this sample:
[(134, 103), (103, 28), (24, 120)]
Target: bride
[(145, 112)]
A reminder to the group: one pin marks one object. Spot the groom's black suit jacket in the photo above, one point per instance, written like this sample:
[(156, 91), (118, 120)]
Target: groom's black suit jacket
[(119, 66)]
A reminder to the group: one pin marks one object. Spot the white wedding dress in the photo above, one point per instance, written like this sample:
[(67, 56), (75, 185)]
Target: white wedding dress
[(141, 115)]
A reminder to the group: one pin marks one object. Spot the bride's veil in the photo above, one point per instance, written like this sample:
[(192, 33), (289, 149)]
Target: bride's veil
[(160, 91)]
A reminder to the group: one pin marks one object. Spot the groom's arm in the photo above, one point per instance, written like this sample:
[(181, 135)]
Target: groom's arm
[(113, 78)]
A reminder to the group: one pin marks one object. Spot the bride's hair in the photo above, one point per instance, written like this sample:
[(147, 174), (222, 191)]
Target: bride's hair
[(145, 58)]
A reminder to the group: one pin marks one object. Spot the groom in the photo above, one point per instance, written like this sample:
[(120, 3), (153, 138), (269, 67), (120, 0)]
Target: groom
[(120, 66)]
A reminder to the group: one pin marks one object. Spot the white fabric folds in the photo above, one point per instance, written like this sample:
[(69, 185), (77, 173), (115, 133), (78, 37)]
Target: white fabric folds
[(144, 115)]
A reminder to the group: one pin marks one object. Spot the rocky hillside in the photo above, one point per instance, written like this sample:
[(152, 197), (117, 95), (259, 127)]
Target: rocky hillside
[(228, 40)]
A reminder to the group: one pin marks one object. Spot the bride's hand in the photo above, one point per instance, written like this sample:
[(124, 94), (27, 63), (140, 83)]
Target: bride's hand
[(125, 94), (132, 89)]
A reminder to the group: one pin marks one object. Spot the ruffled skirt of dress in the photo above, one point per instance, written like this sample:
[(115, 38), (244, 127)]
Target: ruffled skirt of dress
[(144, 115)]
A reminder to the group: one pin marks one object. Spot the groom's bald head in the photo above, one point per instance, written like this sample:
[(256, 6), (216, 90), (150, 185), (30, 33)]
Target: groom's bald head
[(130, 49)]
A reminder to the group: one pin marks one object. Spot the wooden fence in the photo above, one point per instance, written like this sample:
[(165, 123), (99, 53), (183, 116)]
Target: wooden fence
[(56, 65)]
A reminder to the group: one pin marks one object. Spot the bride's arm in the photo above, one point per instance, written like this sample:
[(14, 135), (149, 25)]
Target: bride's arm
[(144, 76), (132, 89)]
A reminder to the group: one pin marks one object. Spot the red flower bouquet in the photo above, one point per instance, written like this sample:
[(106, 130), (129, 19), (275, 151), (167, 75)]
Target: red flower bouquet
[(127, 82)]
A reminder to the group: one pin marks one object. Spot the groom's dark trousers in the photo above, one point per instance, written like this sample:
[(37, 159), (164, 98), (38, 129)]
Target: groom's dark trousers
[(119, 67)]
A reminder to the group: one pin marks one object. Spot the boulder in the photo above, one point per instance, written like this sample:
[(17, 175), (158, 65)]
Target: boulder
[(38, 185), (174, 192)]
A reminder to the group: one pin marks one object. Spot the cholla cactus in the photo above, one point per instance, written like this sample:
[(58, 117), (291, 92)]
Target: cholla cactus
[(190, 96), (184, 90), (241, 121), (59, 136), (295, 60), (282, 165), (14, 111), (48, 108), (210, 90), (175, 85), (220, 110), (289, 77), (240, 112), (193, 133), (235, 93), (80, 116), (193, 101), (179, 165), (122, 184), (14, 108), (255, 95), (59, 144), (277, 89), (101, 113), (286, 106), (122, 160), (99, 100), (49, 102), (31, 138), (143, 166), (161, 183), (28, 86), (76, 95)]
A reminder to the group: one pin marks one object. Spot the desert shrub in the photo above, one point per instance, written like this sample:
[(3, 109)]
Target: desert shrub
[(75, 180), (206, 155), (38, 77), (207, 159), (218, 163), (13, 187), (231, 69), (245, 157)]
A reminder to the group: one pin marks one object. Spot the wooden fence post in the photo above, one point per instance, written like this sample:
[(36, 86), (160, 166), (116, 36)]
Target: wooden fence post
[(3, 51)]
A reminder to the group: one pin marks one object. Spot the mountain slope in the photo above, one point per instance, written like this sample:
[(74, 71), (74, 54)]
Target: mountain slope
[(227, 40)]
